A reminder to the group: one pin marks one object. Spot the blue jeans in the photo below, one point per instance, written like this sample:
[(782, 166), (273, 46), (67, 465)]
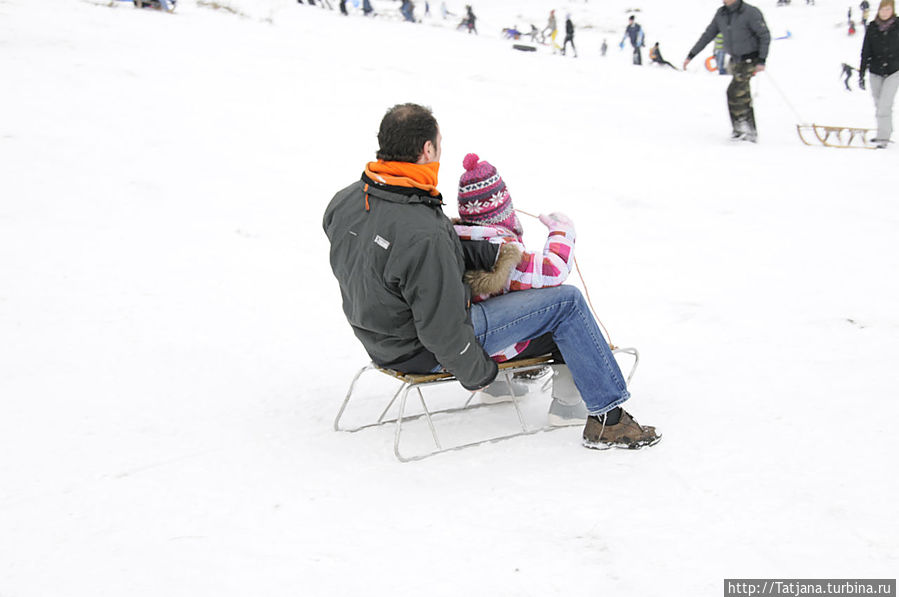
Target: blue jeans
[(721, 62), (502, 321)]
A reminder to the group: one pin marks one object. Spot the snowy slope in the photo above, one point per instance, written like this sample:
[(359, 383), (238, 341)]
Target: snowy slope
[(173, 350)]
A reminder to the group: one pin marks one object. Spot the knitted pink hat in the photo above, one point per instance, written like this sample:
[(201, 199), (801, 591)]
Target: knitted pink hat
[(483, 196)]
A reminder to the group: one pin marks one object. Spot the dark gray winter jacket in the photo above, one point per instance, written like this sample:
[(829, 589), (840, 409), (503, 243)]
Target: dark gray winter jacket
[(400, 265), (745, 32)]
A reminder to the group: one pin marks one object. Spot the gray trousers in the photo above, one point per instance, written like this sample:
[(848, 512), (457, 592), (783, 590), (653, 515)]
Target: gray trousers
[(884, 91)]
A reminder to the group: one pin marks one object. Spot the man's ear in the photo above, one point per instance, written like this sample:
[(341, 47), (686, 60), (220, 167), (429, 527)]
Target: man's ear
[(424, 158)]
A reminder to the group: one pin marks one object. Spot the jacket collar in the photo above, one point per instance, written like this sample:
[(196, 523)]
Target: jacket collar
[(405, 174), (398, 194)]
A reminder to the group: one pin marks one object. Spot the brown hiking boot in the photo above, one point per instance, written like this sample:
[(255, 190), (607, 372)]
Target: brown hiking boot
[(627, 433)]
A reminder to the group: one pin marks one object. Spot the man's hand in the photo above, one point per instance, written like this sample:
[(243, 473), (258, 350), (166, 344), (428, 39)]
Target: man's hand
[(686, 62), (758, 68)]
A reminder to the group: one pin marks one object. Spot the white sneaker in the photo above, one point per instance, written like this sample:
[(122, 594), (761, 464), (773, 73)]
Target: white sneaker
[(564, 415), (499, 391)]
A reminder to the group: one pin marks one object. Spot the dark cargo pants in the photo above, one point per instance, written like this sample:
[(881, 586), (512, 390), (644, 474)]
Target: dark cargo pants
[(739, 96)]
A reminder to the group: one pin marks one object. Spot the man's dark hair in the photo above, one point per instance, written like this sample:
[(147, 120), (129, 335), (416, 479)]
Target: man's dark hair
[(404, 130)]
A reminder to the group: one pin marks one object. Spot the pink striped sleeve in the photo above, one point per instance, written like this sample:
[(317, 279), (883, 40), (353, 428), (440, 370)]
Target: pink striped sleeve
[(549, 268)]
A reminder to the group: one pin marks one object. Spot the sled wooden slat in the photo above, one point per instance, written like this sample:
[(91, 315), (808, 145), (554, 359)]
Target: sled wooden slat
[(844, 137)]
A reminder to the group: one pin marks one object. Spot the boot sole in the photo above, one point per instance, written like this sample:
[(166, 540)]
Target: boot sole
[(605, 446)]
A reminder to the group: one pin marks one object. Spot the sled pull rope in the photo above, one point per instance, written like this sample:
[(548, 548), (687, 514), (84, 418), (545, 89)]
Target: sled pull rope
[(784, 96), (586, 290)]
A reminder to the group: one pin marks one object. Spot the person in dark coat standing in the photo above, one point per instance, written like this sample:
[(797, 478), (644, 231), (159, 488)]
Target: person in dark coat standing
[(746, 40), (569, 36), (635, 32), (880, 55)]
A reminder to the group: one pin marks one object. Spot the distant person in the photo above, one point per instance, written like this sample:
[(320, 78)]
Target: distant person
[(603, 48), (471, 19), (569, 35), (847, 74), (720, 54), (655, 54), (880, 55), (746, 40), (635, 32), (407, 8), (866, 12), (552, 29)]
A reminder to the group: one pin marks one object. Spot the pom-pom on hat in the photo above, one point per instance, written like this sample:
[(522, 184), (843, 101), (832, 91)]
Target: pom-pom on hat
[(483, 196)]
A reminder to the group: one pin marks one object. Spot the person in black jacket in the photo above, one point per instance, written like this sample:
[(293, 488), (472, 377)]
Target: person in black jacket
[(400, 265), (746, 39), (880, 55), (569, 36), (635, 32), (655, 54)]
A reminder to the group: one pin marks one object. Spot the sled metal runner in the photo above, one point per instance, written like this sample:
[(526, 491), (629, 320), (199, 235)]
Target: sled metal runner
[(419, 381), (845, 137)]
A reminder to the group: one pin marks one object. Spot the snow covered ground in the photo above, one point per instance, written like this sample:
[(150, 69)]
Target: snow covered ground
[(172, 348)]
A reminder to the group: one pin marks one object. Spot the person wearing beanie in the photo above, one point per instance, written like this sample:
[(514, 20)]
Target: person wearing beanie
[(746, 40), (880, 55), (400, 265), (490, 232)]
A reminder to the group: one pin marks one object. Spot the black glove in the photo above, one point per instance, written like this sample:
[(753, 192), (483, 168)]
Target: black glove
[(861, 82)]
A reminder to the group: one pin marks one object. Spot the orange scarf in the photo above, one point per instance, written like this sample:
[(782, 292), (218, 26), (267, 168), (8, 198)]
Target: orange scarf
[(405, 174)]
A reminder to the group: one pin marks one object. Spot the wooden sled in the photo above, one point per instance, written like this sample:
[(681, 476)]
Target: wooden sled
[(845, 137), (419, 381)]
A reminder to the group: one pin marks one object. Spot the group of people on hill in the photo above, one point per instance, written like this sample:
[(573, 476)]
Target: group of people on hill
[(739, 31), (552, 30), (406, 9)]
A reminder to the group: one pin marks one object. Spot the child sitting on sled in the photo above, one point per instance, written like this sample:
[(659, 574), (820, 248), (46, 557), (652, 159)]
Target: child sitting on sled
[(497, 262)]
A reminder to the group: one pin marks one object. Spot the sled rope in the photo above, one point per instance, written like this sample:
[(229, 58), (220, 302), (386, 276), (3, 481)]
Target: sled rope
[(586, 290), (784, 96)]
